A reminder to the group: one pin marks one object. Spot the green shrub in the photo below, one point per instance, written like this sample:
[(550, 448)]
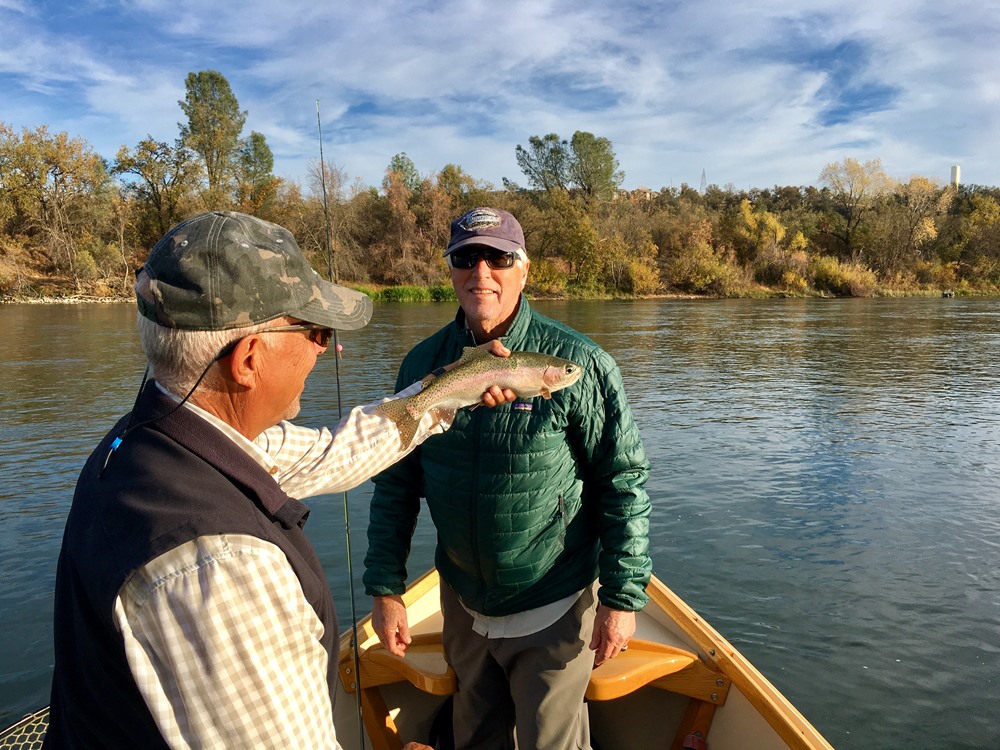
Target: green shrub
[(642, 278), (546, 279), (85, 268), (365, 289), (443, 293), (831, 276), (405, 294), (794, 282), (701, 271), (437, 293)]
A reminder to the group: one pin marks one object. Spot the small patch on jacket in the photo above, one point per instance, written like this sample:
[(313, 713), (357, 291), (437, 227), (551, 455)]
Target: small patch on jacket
[(523, 406)]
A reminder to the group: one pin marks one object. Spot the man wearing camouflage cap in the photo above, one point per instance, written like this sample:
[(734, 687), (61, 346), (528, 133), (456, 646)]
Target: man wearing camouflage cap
[(190, 608)]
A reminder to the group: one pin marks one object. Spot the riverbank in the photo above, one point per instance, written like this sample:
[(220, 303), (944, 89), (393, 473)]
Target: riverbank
[(431, 294)]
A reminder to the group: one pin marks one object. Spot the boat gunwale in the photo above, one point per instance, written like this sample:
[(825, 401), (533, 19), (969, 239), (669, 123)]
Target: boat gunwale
[(714, 649)]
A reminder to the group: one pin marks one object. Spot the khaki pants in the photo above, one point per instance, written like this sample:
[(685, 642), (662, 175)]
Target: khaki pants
[(535, 682)]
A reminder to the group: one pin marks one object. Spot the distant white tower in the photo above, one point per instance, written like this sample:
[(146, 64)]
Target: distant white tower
[(956, 175), (703, 182)]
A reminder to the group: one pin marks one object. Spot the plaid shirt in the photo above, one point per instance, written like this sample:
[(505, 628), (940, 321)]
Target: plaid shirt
[(220, 639)]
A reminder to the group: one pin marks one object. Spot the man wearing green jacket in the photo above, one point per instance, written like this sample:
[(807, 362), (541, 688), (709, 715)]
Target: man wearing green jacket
[(533, 502)]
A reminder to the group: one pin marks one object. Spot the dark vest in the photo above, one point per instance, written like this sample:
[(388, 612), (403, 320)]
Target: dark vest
[(169, 482)]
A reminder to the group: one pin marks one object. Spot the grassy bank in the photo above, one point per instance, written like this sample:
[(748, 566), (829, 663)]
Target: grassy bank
[(52, 291)]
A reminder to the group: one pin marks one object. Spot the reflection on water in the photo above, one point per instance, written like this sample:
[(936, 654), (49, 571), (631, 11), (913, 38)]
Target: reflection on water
[(824, 486)]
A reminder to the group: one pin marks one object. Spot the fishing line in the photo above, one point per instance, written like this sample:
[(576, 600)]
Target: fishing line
[(129, 427), (340, 415)]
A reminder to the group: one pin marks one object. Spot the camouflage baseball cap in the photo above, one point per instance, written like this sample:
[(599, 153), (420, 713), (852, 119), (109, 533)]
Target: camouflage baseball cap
[(487, 226), (223, 270)]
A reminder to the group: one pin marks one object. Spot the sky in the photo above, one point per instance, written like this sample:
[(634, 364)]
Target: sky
[(751, 94)]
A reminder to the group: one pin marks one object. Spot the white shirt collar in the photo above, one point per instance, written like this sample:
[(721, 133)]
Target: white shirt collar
[(252, 449)]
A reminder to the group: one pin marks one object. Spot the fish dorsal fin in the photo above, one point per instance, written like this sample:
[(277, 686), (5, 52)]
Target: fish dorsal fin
[(471, 353)]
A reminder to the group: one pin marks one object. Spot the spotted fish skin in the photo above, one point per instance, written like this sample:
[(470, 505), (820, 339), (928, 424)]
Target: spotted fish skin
[(528, 374)]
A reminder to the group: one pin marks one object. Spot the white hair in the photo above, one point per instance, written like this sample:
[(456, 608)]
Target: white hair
[(177, 357)]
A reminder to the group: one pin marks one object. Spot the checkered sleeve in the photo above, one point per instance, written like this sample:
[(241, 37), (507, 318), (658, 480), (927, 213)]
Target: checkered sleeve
[(313, 462), (225, 648)]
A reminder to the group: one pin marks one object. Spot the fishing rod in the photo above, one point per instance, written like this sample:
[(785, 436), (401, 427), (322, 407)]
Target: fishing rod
[(340, 415)]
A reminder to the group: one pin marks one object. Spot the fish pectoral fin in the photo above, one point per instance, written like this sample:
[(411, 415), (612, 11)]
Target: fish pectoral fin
[(443, 413), (398, 411), (545, 393), (407, 430)]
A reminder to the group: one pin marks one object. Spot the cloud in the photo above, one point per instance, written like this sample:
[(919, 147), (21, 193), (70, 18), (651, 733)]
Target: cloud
[(757, 94)]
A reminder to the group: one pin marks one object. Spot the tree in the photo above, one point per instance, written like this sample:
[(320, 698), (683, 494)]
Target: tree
[(545, 163), (434, 211), (760, 231), (403, 165), (56, 189), (326, 226), (855, 189), (214, 124), (593, 168), (586, 164), (464, 191), (564, 230), (399, 265), (123, 210), (167, 175), (455, 183), (13, 204), (922, 201), (981, 235), (256, 187), (903, 226)]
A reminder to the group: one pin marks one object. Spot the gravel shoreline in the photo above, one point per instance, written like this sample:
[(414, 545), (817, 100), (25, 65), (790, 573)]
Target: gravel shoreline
[(73, 300)]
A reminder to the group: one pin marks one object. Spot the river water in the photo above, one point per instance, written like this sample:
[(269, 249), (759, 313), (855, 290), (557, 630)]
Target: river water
[(824, 486)]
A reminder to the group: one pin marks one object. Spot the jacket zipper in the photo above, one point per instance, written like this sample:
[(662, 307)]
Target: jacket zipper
[(561, 518), (476, 440)]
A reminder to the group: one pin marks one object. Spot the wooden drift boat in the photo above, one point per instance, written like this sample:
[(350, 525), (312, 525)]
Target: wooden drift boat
[(680, 684), (28, 733)]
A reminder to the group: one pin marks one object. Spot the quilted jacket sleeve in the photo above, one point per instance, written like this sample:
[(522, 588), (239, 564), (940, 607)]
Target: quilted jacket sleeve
[(393, 514), (608, 443)]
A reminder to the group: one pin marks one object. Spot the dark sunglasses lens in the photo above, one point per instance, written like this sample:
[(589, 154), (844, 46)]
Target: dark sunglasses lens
[(499, 259), (465, 259), (322, 336)]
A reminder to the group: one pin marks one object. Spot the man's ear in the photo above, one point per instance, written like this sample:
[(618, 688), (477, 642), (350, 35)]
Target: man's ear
[(244, 363), (524, 276)]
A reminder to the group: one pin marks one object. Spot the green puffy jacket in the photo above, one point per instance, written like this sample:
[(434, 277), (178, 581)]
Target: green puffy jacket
[(531, 500)]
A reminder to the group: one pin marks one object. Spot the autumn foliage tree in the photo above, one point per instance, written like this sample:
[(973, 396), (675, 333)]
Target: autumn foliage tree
[(164, 180), (70, 223), (856, 189)]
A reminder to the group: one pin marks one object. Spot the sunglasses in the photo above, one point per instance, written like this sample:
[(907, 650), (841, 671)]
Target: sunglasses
[(466, 259), (319, 335)]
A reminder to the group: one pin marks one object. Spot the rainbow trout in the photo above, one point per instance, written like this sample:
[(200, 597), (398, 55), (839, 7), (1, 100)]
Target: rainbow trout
[(528, 374)]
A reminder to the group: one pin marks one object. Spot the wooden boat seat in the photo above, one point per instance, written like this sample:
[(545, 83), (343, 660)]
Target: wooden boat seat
[(645, 663), (642, 663), (424, 666)]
